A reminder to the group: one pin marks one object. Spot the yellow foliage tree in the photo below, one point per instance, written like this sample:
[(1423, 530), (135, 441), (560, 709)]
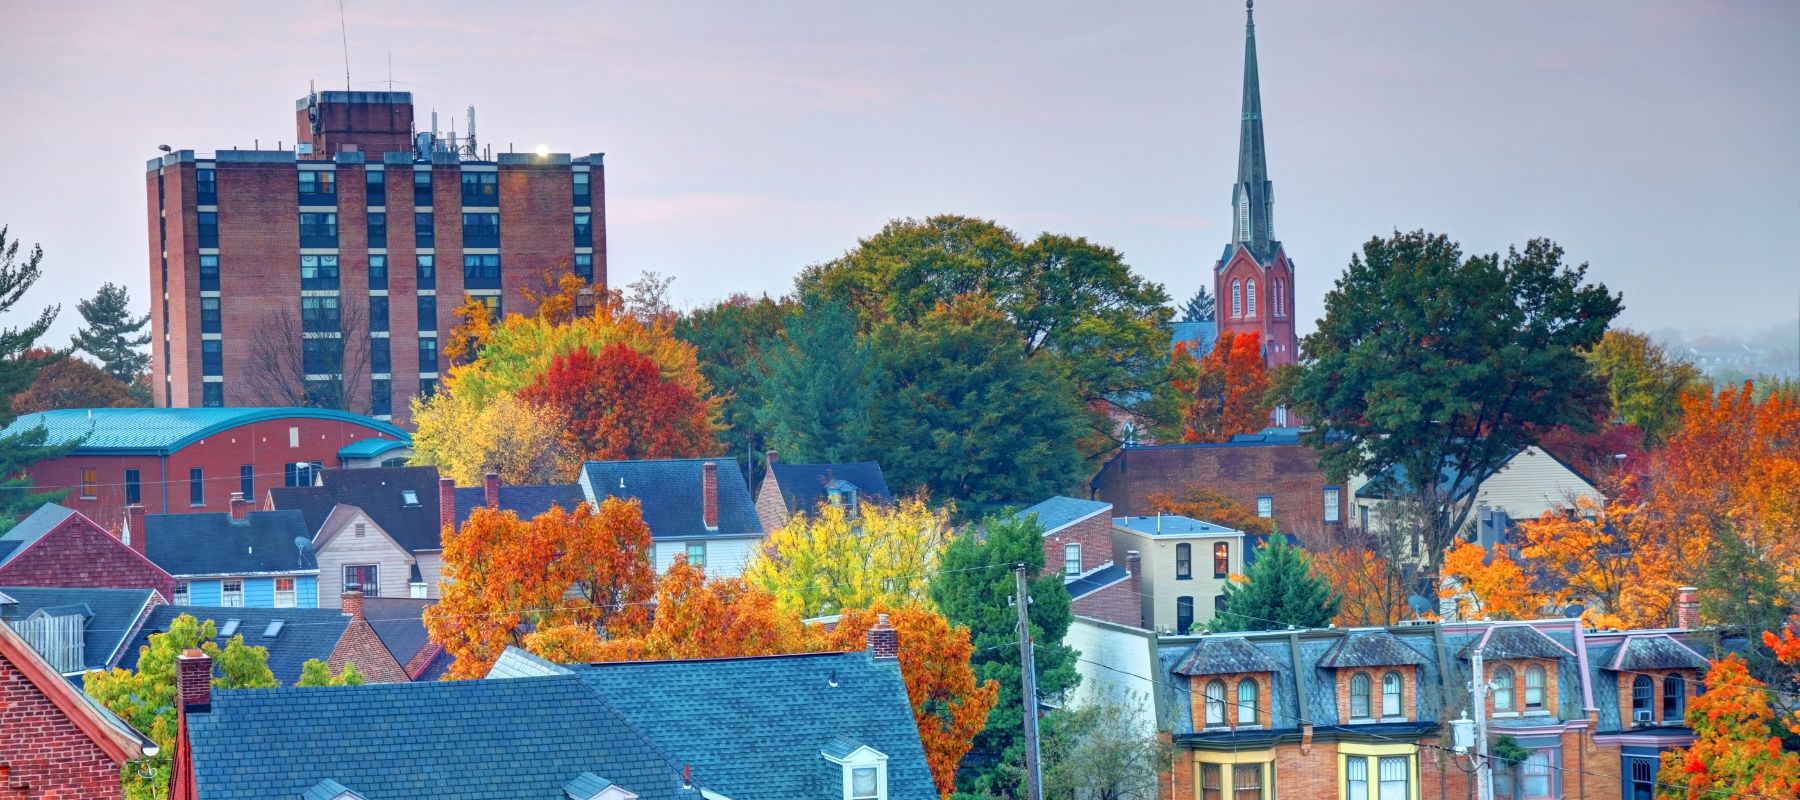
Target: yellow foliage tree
[(832, 560), (521, 441), (1487, 584)]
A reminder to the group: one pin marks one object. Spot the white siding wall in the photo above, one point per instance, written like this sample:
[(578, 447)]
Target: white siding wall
[(1127, 652), (373, 547), (1533, 483), (725, 558), (431, 570)]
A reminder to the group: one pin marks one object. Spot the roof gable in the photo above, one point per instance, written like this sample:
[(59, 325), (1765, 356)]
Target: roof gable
[(670, 492), (216, 544), (113, 615), (1224, 655), (1656, 651), (381, 493), (804, 486), (33, 527), (119, 741), (343, 517), (1370, 648)]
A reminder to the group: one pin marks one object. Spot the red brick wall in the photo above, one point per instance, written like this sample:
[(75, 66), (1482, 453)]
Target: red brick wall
[(360, 646), (1118, 604), (1281, 344), (1288, 473), (259, 271), (1409, 690), (1095, 536), (182, 348), (375, 128), (43, 754), (80, 554), (537, 227)]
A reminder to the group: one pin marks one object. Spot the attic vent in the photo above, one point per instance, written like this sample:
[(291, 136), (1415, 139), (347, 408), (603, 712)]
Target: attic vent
[(621, 481), (410, 498), (274, 628), (229, 628)]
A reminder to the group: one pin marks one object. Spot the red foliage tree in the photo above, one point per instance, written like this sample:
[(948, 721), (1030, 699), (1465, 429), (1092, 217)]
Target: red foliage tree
[(1221, 394), (620, 406)]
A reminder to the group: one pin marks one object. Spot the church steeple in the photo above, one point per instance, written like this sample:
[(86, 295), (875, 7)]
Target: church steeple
[(1253, 197)]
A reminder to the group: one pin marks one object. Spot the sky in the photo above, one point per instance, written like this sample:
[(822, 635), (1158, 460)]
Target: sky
[(1658, 141)]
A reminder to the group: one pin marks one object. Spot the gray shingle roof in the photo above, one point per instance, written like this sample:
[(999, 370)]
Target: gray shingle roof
[(216, 544), (757, 728), (33, 527), (1657, 651), (1059, 512), (1223, 655), (1096, 580), (379, 492), (114, 616), (518, 739), (1373, 648), (1516, 641), (526, 501), (670, 493), (803, 485), (306, 633), (400, 624)]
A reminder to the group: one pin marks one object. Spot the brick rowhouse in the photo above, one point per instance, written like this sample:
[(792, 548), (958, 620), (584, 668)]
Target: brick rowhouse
[(349, 237)]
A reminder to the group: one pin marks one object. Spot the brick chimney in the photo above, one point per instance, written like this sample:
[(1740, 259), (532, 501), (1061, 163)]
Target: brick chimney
[(491, 483), (709, 495), (239, 506), (1135, 583), (884, 641), (352, 601), (769, 457), (1687, 607), (134, 529), (193, 680), (446, 503)]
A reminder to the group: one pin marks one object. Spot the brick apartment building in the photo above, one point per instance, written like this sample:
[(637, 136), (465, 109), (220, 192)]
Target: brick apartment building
[(342, 253), (1271, 474)]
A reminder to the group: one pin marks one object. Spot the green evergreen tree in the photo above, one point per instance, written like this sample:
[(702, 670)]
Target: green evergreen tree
[(112, 335), (19, 365), (732, 341), (1199, 308), (961, 411), (1280, 590), (975, 587), (819, 389)]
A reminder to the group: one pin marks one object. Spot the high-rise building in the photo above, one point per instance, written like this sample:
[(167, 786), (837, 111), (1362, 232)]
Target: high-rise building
[(329, 273), (1253, 280)]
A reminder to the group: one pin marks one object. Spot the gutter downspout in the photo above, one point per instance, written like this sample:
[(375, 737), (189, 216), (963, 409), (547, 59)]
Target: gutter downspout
[(163, 461)]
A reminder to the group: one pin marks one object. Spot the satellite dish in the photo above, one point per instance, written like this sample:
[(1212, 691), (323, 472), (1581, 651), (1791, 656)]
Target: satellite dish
[(1419, 604), (1574, 611), (302, 543)]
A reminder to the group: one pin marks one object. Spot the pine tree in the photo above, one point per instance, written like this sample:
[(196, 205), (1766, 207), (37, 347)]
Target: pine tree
[(974, 588), (112, 335), (1199, 308), (819, 389), (1280, 590), (19, 366)]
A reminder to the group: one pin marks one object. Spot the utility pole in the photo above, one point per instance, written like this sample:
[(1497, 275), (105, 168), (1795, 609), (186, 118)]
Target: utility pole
[(1034, 778), (1484, 774)]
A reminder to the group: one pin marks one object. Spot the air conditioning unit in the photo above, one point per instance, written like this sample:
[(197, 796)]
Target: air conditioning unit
[(1641, 716)]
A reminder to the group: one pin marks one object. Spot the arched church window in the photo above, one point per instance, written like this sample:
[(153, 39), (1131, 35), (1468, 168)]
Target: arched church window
[(1250, 298), (1237, 298)]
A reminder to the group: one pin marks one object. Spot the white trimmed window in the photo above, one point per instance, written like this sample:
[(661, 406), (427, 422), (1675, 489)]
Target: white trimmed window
[(231, 594), (865, 772), (181, 594), (1072, 558), (284, 592), (1250, 297), (1237, 298)]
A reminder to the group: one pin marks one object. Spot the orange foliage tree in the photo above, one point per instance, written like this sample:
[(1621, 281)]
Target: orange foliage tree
[(618, 406), (949, 705), (583, 570), (1211, 505), (1371, 589), (700, 618), (1735, 752), (1487, 584), (1605, 558), (1221, 394)]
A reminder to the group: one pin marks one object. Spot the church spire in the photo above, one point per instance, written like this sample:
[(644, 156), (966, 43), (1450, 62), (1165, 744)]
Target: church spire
[(1253, 197)]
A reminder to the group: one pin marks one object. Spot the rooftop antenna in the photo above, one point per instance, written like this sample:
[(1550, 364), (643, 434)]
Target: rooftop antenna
[(390, 70), (344, 28), (471, 139)]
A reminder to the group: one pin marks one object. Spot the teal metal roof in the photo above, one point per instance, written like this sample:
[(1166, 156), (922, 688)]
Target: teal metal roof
[(161, 431), (372, 448)]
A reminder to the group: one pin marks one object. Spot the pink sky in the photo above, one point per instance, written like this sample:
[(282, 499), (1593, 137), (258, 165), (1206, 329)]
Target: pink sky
[(1658, 140)]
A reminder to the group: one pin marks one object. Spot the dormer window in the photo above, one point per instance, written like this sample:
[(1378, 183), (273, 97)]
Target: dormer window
[(1246, 703), (1534, 688), (1215, 704), (1503, 690), (863, 785), (1674, 697), (865, 769), (1390, 695), (842, 495), (1359, 696)]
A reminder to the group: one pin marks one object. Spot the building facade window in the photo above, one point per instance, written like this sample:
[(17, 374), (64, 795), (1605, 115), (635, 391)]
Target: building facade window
[(318, 187), (1643, 779), (1184, 561), (380, 355), (90, 483), (1333, 501), (319, 272), (208, 234), (381, 397), (378, 313), (366, 577), (427, 272), (696, 554), (1356, 778), (428, 360), (481, 229), (424, 229), (1391, 700), (1211, 784), (1534, 776), (231, 594), (481, 188), (481, 271), (1359, 696), (1237, 298), (181, 593), (212, 357), (863, 784), (1674, 697), (584, 229), (376, 185), (1396, 773), (584, 266), (1246, 782), (1643, 690), (1215, 704), (206, 187), (427, 312), (318, 229), (247, 481), (1250, 298), (584, 193), (1534, 688), (1246, 702), (284, 593), (1072, 558), (134, 491), (1503, 689), (422, 187), (319, 314), (378, 229), (209, 315), (1221, 559), (212, 395), (427, 387), (1184, 617), (378, 272), (1265, 506), (209, 273), (300, 473)]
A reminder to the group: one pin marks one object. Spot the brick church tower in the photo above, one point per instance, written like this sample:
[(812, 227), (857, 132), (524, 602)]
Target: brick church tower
[(1254, 278)]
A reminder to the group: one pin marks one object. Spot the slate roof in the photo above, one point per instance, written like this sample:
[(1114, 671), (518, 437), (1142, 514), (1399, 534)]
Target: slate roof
[(33, 527), (1173, 525), (1223, 655), (306, 633), (215, 544), (670, 492), (378, 491), (1060, 512), (803, 485), (113, 616), (400, 624), (527, 501), (1370, 648), (523, 739), (1516, 641), (1657, 651), (161, 431), (756, 728), (1096, 580)]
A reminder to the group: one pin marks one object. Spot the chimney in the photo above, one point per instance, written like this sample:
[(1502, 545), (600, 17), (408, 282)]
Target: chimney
[(352, 601), (709, 495), (1135, 583), (769, 457), (447, 503), (239, 506), (193, 680), (884, 641), (1687, 607), (134, 529), (491, 482)]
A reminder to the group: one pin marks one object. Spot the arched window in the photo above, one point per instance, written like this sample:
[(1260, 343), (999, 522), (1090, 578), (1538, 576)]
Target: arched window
[(1534, 688), (1246, 702), (1503, 689), (1642, 701), (1215, 703), (1390, 695), (1359, 696), (1250, 298), (1237, 298), (1674, 697), (1244, 217), (1280, 297)]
